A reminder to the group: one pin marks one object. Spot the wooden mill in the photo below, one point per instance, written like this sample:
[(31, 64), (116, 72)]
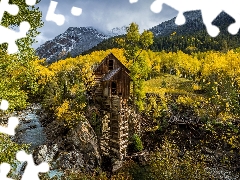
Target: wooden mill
[(111, 92)]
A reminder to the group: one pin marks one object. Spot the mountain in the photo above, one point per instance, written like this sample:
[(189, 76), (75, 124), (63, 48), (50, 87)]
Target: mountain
[(193, 25), (81, 40), (73, 41), (190, 37), (117, 31)]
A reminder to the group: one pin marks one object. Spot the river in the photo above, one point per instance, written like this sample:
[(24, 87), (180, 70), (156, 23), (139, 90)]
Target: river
[(30, 131)]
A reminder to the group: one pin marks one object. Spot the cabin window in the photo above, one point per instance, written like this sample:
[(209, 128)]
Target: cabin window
[(110, 64), (114, 88)]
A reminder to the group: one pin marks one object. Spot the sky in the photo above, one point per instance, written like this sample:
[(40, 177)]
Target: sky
[(103, 15)]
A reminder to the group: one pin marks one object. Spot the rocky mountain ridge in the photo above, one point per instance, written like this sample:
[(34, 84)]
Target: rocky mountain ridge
[(73, 41), (194, 24), (76, 40)]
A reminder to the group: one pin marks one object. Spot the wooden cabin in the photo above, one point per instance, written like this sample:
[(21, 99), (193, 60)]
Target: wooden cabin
[(112, 78), (111, 92)]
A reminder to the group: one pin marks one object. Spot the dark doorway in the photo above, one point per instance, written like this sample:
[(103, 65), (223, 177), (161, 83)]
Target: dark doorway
[(110, 64), (114, 88)]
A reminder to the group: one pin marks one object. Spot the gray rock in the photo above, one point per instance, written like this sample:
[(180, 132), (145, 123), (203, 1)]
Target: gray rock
[(71, 160), (116, 165), (77, 150), (45, 153), (84, 139)]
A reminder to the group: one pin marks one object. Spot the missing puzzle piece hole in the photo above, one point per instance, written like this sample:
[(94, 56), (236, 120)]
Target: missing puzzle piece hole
[(13, 122), (21, 156), (180, 19), (133, 1), (59, 19), (156, 6), (10, 129), (31, 170), (213, 31), (31, 2), (76, 11), (4, 170), (24, 27), (13, 10), (233, 28), (4, 105), (44, 167)]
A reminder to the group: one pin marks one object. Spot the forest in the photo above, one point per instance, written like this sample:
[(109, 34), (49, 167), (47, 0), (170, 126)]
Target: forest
[(187, 98), (203, 88)]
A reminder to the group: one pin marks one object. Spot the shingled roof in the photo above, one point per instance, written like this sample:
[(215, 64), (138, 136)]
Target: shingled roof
[(112, 73), (111, 54)]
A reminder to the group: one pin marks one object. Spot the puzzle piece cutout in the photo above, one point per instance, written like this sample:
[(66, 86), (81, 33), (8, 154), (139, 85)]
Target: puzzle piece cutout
[(4, 105), (10, 129), (76, 11), (210, 10), (12, 121), (10, 36), (31, 170), (10, 8), (31, 2), (133, 1), (4, 170), (59, 19), (7, 35)]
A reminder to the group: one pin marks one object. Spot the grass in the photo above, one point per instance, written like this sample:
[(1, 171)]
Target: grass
[(169, 84), (180, 90)]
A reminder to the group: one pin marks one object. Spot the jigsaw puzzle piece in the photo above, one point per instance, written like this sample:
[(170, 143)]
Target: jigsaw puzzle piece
[(12, 121), (4, 170), (234, 28), (59, 19), (210, 10), (10, 8), (31, 170), (208, 16), (76, 11), (10, 129), (231, 7), (180, 6), (9, 36), (133, 1), (4, 105), (31, 2)]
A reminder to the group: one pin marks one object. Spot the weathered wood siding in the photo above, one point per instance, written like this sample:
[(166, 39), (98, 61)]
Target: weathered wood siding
[(121, 78), (122, 81), (103, 67), (112, 89)]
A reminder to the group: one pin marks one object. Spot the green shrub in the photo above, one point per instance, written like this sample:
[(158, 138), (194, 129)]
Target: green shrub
[(137, 143), (167, 164)]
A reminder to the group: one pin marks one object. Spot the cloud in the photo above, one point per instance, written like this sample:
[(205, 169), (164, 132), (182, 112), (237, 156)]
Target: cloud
[(103, 15)]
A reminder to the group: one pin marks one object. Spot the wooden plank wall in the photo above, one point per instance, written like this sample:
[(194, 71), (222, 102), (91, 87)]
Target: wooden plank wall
[(117, 131)]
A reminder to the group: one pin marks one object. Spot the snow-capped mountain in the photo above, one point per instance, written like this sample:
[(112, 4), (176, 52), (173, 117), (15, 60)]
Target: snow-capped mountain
[(73, 41), (76, 40), (117, 31), (194, 23)]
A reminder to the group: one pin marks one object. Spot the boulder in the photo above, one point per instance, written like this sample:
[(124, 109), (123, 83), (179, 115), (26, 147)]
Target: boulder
[(75, 150)]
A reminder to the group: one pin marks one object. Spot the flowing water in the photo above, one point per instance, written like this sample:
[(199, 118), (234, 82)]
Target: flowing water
[(30, 131)]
